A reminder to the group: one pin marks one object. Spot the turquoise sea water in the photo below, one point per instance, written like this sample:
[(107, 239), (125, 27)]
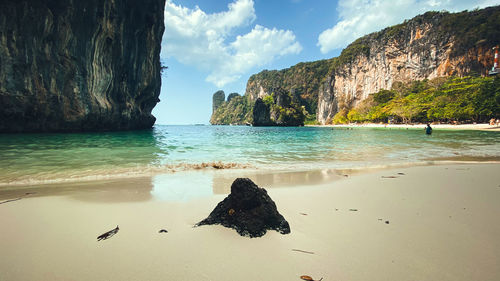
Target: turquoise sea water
[(44, 158)]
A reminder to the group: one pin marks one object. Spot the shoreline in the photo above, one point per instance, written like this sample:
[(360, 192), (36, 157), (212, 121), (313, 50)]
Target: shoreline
[(417, 223), (231, 169), (478, 127)]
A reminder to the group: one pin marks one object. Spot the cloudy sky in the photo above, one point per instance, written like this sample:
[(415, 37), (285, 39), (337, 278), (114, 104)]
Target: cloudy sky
[(215, 45)]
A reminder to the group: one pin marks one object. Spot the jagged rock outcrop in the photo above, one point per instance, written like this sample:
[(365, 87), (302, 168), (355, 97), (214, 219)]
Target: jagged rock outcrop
[(217, 100), (431, 45), (249, 210), (68, 65)]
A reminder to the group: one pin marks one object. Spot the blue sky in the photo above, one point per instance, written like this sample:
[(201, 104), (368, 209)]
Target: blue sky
[(215, 45)]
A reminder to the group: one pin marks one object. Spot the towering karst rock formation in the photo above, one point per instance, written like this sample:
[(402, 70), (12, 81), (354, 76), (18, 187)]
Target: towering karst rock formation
[(431, 45), (217, 100), (68, 65)]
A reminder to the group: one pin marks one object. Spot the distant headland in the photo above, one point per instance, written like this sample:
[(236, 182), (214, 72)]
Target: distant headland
[(432, 68)]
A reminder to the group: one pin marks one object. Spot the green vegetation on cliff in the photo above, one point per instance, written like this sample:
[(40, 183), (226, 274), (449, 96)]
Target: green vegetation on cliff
[(463, 31), (468, 28), (284, 108), (281, 108), (237, 111), (442, 99), (303, 80)]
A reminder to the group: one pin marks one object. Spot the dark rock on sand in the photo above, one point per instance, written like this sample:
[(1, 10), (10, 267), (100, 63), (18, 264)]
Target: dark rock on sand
[(249, 210)]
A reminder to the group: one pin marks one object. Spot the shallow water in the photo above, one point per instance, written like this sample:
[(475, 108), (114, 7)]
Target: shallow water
[(48, 158)]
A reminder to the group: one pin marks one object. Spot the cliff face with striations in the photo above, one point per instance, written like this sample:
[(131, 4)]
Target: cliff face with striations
[(422, 48), (68, 65), (432, 45)]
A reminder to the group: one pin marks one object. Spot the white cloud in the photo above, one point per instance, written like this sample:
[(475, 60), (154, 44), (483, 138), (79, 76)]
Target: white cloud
[(201, 40), (360, 17)]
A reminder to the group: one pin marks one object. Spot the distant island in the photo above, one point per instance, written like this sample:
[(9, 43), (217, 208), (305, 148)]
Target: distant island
[(433, 67)]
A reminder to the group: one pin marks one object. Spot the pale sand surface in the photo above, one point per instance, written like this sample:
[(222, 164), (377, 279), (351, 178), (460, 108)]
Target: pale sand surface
[(444, 224), (482, 127)]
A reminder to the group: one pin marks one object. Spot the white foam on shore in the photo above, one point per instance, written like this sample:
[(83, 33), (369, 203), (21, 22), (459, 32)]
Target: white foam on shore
[(138, 172), (119, 173)]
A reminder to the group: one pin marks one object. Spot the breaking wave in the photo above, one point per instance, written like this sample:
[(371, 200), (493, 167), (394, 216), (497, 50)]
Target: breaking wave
[(117, 173)]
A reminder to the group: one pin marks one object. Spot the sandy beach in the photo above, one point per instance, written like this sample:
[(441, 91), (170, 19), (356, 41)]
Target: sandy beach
[(416, 223), (485, 127)]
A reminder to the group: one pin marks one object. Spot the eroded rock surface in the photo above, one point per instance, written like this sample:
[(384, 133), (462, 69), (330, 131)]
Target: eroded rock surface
[(68, 65), (217, 100)]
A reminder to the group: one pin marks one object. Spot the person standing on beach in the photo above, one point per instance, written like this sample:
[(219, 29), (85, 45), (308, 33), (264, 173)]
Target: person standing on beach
[(428, 129)]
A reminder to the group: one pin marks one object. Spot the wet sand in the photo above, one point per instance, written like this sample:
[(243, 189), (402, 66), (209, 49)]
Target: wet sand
[(443, 224)]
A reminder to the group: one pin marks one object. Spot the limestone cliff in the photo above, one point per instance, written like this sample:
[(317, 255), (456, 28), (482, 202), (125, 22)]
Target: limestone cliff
[(302, 80), (431, 45), (217, 100), (68, 65)]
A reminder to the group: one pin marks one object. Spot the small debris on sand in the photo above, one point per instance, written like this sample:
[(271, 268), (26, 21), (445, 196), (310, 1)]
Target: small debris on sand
[(11, 200), (108, 234), (402, 174), (163, 231), (386, 222), (16, 199), (304, 214), (306, 252), (353, 210), (309, 278), (389, 177)]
